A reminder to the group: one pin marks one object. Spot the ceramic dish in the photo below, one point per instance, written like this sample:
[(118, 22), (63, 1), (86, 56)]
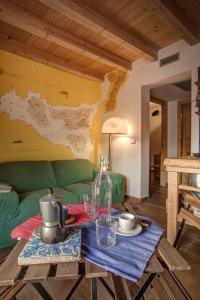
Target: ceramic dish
[(134, 231)]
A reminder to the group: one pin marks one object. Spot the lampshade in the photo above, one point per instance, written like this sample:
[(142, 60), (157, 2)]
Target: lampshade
[(114, 125)]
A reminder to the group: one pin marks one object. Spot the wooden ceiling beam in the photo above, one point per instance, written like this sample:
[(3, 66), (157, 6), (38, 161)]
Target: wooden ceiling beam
[(41, 56), (12, 14), (175, 18), (90, 18)]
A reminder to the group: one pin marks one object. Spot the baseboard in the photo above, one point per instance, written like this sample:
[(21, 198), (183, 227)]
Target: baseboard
[(135, 199)]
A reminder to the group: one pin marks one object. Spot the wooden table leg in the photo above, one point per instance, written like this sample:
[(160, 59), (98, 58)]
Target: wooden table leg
[(93, 289), (41, 290), (172, 205), (11, 292), (74, 288), (106, 286)]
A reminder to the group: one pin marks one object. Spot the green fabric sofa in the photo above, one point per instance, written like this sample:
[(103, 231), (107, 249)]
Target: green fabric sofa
[(30, 180)]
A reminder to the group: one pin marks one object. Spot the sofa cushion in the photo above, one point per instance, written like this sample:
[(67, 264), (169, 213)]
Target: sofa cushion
[(72, 171), (27, 176), (80, 189), (29, 202), (118, 182), (67, 196)]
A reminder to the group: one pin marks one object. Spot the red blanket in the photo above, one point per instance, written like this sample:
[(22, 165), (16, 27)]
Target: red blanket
[(25, 229)]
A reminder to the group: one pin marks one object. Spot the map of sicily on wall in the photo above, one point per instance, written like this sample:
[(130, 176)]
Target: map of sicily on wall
[(68, 126)]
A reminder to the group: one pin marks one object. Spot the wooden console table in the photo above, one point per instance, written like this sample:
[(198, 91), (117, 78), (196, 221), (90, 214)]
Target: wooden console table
[(174, 167)]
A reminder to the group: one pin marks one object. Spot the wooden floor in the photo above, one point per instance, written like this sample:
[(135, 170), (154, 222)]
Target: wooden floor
[(189, 244), (154, 208)]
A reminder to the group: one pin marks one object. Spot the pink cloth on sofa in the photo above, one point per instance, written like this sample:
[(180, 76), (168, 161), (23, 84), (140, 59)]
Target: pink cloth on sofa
[(25, 229)]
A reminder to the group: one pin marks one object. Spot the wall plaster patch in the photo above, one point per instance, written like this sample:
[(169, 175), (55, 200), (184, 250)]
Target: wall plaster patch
[(116, 79), (68, 126)]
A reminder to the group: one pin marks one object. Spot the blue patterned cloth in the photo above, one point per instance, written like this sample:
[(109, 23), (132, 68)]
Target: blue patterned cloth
[(35, 249), (129, 257)]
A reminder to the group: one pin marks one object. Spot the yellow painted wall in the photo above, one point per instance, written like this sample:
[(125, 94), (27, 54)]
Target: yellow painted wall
[(58, 88)]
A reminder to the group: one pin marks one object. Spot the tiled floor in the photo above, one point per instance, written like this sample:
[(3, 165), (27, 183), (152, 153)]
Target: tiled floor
[(154, 208)]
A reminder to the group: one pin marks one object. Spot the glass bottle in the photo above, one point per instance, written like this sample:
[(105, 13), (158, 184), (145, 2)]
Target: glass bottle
[(102, 191)]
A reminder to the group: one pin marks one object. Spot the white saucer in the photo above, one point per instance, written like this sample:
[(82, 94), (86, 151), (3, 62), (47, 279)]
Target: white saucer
[(134, 231)]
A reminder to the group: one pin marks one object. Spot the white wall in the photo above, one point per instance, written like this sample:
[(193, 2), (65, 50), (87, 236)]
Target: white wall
[(133, 106)]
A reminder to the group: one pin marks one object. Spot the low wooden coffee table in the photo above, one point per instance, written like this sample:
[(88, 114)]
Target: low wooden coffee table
[(164, 258)]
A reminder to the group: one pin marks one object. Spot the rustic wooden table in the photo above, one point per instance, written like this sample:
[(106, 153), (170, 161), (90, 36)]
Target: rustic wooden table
[(11, 274)]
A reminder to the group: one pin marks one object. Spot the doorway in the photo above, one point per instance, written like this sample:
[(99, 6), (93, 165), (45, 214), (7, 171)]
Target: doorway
[(175, 125), (158, 140)]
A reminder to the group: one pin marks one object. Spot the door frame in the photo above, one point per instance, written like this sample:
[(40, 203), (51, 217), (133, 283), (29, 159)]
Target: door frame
[(164, 130), (179, 123)]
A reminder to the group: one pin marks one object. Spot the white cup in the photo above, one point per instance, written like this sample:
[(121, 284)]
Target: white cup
[(126, 221)]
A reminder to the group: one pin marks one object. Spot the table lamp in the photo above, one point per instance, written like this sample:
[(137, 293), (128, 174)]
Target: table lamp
[(111, 126)]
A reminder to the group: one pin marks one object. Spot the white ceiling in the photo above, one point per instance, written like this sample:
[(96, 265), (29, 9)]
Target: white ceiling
[(170, 92)]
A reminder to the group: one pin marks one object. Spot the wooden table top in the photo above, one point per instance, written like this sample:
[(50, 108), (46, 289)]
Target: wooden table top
[(10, 271)]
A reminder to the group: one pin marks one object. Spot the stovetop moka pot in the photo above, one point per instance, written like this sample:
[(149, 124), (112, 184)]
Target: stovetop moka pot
[(52, 218)]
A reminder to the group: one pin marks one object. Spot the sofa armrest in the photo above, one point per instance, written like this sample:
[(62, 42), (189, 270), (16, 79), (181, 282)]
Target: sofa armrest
[(9, 205), (9, 210), (116, 177), (95, 171), (118, 186)]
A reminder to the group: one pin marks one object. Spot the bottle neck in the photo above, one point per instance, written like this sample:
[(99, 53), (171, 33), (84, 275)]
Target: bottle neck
[(103, 165), (101, 162), (103, 168)]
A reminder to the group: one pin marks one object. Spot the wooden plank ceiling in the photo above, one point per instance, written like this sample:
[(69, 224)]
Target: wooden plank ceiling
[(92, 38)]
